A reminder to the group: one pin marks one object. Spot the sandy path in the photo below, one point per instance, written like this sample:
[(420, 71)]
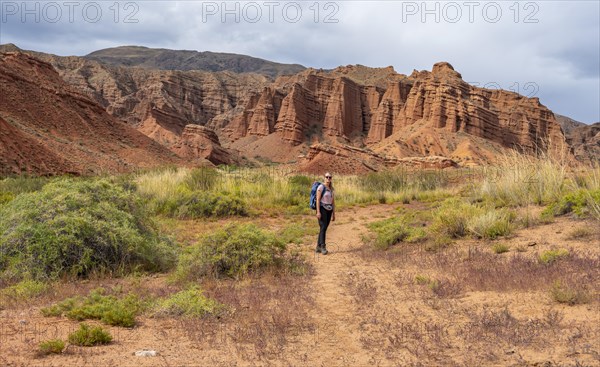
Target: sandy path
[(337, 338)]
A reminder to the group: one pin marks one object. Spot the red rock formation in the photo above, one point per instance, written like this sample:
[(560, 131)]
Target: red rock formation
[(49, 128), (200, 141), (426, 113)]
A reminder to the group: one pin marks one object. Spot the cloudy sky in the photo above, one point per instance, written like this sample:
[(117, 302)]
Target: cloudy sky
[(545, 49)]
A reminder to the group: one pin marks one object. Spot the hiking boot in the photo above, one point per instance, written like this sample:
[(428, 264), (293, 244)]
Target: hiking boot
[(324, 251), (318, 249)]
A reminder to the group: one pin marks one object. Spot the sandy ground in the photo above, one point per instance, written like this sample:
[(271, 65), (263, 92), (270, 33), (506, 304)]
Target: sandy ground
[(365, 310)]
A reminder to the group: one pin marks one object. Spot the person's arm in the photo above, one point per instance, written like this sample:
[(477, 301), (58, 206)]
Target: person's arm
[(319, 194), (333, 206)]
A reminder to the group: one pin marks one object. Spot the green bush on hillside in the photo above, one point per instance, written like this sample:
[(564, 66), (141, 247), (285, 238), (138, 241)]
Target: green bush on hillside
[(581, 202), (233, 251), (77, 227)]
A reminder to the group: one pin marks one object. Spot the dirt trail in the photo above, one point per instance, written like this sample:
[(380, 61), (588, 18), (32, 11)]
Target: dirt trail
[(337, 341)]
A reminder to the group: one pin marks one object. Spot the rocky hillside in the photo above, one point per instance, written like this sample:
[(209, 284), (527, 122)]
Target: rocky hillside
[(47, 127), (353, 118), (585, 142), (163, 59)]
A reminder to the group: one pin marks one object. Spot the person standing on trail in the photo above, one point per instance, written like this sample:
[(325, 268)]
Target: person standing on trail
[(325, 211)]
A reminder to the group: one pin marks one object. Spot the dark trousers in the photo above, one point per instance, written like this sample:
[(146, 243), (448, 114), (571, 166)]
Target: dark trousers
[(323, 224)]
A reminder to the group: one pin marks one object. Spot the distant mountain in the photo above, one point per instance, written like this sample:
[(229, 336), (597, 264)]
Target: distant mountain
[(567, 123), (164, 59)]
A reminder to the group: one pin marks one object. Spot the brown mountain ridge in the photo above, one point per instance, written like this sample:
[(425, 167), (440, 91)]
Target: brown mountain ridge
[(48, 128), (350, 119)]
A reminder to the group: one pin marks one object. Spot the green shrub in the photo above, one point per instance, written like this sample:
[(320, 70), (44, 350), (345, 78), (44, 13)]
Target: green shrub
[(76, 227), (550, 256), (52, 346), (389, 232), (188, 303), (581, 202), (108, 309), (25, 289), (232, 251), (567, 294), (88, 337), (500, 248)]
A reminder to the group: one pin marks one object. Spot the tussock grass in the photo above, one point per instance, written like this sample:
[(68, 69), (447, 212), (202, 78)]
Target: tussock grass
[(456, 218), (519, 180)]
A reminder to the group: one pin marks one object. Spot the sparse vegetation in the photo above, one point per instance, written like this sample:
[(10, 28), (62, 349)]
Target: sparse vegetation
[(569, 294), (87, 336), (52, 346), (188, 303), (98, 306), (550, 256), (389, 232), (500, 248)]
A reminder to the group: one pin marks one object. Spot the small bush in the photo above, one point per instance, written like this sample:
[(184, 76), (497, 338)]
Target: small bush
[(567, 294), (582, 203), (388, 232), (88, 337), (550, 256), (500, 248), (108, 309), (25, 289), (233, 251), (188, 303), (52, 346), (77, 227)]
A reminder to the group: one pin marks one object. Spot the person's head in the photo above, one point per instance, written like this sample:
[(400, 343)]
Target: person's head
[(328, 179)]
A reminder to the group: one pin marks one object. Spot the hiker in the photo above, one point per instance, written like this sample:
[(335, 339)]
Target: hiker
[(325, 211)]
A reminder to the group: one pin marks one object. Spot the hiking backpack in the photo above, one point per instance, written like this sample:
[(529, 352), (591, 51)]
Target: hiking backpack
[(313, 194)]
